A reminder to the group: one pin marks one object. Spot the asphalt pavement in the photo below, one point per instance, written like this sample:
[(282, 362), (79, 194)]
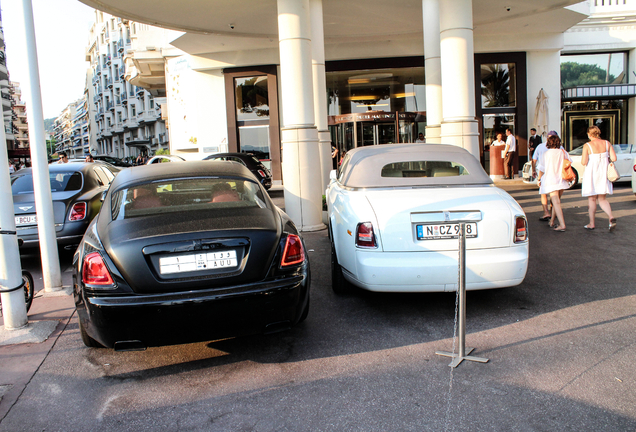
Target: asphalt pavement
[(561, 352)]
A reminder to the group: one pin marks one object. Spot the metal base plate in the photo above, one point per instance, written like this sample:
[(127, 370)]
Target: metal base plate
[(457, 359)]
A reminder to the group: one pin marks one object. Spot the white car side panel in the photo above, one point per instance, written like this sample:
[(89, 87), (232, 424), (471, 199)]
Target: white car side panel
[(347, 209)]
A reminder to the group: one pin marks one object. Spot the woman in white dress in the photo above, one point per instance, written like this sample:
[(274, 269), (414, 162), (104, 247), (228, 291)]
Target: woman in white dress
[(550, 180), (596, 156)]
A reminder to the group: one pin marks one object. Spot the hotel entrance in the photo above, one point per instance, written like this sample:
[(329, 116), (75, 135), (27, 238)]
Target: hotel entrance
[(349, 131)]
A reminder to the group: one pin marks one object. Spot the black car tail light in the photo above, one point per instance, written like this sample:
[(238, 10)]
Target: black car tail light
[(78, 211), (95, 272), (294, 252), (364, 235), (521, 229)]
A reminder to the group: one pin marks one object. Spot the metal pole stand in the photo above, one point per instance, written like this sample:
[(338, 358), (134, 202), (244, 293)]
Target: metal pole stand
[(463, 351)]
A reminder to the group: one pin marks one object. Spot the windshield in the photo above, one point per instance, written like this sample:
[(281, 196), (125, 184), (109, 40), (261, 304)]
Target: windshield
[(185, 195), (577, 151), (65, 181)]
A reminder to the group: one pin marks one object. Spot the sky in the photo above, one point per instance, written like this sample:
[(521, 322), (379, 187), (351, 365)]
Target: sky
[(61, 33)]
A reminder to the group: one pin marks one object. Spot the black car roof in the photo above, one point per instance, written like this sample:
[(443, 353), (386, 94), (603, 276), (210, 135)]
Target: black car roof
[(147, 173), (66, 167)]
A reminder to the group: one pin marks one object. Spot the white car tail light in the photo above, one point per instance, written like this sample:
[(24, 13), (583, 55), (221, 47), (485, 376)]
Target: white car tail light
[(364, 235), (94, 270), (293, 252), (78, 211), (521, 229)]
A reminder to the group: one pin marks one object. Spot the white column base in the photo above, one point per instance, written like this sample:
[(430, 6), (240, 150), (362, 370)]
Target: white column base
[(302, 177), (434, 134), (324, 139), (463, 133)]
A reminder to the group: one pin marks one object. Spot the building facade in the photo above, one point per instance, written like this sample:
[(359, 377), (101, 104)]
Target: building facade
[(124, 119), (597, 74), (286, 79), (63, 128)]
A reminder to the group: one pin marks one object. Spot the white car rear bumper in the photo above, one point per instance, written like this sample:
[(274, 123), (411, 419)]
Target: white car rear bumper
[(438, 271)]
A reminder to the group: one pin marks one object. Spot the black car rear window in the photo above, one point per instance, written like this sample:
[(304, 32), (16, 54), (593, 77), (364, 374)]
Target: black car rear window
[(64, 181), (184, 195)]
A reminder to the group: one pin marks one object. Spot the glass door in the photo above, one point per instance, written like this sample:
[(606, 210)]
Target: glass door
[(578, 122), (494, 124)]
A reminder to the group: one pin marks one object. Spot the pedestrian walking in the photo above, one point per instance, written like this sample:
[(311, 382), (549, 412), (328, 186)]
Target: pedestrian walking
[(536, 162), (89, 158), (63, 158), (551, 181), (596, 156)]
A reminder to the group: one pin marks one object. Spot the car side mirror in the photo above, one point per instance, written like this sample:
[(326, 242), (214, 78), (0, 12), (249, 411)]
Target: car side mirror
[(333, 175), (103, 195)]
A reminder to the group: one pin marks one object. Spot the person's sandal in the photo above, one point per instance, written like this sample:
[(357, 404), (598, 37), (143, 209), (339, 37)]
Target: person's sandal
[(612, 224), (588, 228)]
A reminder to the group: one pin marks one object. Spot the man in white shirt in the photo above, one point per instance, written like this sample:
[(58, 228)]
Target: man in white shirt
[(509, 158), (420, 138), (11, 168)]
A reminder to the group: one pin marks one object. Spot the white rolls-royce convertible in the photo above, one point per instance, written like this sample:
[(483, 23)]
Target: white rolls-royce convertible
[(394, 221)]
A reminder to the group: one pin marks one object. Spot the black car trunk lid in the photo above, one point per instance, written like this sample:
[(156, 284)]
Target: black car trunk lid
[(171, 253)]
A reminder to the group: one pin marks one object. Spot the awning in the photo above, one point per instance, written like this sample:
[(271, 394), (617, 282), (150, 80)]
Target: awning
[(138, 143), (610, 91)]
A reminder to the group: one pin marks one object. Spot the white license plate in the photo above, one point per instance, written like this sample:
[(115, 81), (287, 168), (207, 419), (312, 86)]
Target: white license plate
[(444, 231), (198, 262), (26, 220)]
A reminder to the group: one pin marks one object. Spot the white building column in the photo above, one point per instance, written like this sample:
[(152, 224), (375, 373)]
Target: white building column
[(51, 273), (433, 70), (459, 125), (299, 136), (320, 88)]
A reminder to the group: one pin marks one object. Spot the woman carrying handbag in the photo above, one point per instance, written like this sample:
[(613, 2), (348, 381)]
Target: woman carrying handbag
[(597, 155), (551, 180)]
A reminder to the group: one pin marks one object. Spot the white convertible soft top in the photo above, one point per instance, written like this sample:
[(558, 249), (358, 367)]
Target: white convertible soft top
[(363, 166)]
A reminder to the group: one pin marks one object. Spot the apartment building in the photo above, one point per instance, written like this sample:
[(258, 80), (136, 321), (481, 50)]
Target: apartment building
[(63, 127), (19, 117), (124, 119), (5, 93)]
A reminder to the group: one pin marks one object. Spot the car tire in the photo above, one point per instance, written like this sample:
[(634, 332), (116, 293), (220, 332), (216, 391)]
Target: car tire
[(88, 341), (28, 289), (303, 316), (576, 177), (339, 284)]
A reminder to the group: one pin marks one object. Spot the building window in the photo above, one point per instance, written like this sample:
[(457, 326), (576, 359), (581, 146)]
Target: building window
[(389, 90), (133, 110), (593, 69), (498, 85)]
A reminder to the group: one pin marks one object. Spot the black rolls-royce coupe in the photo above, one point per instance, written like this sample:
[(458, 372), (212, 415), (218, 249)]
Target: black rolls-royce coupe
[(188, 252)]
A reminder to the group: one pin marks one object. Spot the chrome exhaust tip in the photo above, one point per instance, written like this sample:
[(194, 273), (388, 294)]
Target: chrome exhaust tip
[(131, 345)]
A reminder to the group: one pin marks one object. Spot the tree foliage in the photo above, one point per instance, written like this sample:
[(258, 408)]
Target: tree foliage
[(578, 74)]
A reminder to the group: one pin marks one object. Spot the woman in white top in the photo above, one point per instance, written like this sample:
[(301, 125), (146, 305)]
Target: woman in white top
[(550, 180), (596, 156)]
